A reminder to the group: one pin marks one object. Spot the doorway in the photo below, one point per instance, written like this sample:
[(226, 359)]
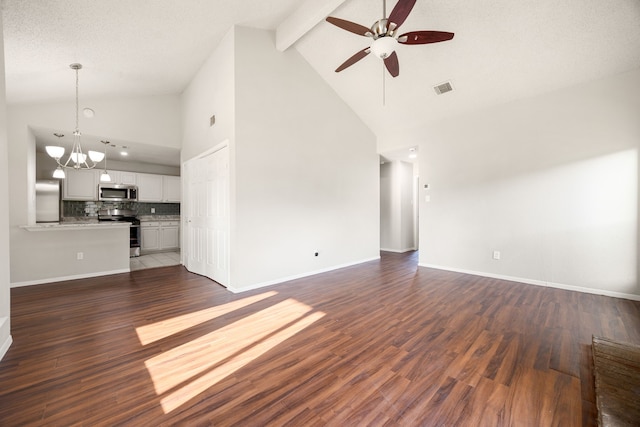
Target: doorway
[(207, 221), (399, 208)]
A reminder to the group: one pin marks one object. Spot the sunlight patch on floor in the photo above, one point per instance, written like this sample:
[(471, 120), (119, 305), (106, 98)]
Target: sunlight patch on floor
[(183, 372), (148, 334)]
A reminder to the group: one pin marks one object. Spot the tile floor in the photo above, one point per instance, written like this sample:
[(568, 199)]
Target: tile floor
[(161, 259)]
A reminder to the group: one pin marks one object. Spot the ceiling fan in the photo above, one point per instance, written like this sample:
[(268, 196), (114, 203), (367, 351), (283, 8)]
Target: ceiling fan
[(385, 36)]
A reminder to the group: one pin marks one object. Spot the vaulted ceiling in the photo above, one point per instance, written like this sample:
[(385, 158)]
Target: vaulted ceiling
[(502, 50)]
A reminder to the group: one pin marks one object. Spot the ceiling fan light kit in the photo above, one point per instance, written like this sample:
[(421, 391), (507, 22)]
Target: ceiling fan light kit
[(384, 47), (384, 33)]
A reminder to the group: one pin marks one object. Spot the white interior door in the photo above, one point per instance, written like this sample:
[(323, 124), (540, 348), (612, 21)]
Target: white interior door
[(207, 213)]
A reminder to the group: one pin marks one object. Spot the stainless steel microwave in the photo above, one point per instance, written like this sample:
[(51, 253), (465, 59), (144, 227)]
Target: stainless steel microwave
[(118, 192)]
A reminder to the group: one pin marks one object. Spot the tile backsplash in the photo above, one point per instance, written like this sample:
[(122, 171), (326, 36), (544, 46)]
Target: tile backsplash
[(161, 208), (90, 209)]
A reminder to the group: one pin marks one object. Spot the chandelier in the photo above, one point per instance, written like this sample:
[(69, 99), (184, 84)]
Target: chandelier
[(77, 159)]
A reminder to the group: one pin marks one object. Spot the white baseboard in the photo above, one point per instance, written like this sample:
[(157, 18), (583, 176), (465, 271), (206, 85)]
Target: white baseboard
[(297, 276), (614, 294), (399, 251), (4, 347), (65, 278)]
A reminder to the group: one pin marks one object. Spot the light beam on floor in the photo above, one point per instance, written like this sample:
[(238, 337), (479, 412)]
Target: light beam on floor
[(185, 371), (153, 332)]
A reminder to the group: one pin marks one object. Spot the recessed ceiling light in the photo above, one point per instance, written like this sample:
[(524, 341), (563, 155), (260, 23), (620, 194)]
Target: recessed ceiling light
[(88, 113)]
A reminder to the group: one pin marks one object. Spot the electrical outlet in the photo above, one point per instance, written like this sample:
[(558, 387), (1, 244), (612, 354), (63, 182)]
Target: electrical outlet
[(496, 254), (80, 255), (153, 210)]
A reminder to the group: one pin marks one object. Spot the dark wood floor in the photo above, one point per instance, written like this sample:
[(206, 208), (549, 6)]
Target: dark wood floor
[(382, 343)]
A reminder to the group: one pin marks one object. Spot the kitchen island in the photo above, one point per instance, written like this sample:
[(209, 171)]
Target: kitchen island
[(71, 249)]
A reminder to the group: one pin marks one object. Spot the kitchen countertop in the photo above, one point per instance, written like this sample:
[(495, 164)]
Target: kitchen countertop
[(74, 225), (79, 220)]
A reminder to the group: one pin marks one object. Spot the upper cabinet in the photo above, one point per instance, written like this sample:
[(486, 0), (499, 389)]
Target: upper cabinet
[(122, 177), (83, 185), (149, 187), (171, 189), (80, 184), (158, 188)]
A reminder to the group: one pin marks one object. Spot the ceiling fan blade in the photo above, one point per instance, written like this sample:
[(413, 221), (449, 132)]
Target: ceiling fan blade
[(424, 37), (350, 26), (355, 58), (391, 62), (401, 11)]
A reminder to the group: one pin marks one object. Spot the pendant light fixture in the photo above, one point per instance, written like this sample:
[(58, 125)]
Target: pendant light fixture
[(77, 159), (104, 176)]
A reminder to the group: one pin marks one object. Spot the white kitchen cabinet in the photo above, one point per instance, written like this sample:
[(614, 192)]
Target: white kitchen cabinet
[(171, 189), (80, 184), (158, 188), (159, 235), (122, 177), (149, 187), (170, 234), (149, 236)]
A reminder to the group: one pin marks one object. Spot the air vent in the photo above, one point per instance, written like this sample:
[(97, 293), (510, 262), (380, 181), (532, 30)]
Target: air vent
[(443, 88)]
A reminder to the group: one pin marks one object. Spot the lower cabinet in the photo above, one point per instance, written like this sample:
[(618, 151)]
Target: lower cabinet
[(169, 236), (159, 235)]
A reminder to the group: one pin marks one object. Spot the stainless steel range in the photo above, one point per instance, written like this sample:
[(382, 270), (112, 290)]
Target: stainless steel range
[(125, 215)]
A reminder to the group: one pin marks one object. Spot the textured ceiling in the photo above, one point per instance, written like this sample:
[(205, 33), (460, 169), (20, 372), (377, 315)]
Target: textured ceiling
[(127, 47), (503, 50)]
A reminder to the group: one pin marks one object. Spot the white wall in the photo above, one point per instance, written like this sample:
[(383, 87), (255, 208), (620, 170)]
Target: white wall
[(303, 167), (389, 225), (211, 92), (45, 165), (396, 207), (152, 120), (551, 182), (40, 257), (5, 295), (306, 171)]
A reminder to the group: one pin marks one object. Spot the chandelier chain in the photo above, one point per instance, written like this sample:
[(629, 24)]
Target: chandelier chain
[(77, 103)]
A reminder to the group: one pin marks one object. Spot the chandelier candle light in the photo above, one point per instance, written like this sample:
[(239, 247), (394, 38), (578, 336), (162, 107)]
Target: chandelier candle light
[(104, 176), (77, 156)]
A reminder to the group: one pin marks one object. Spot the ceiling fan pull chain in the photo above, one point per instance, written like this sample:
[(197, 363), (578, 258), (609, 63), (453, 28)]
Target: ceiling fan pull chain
[(384, 86)]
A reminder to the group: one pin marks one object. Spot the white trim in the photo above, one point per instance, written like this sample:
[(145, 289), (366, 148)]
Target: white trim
[(595, 291), (5, 346), (306, 16), (65, 278), (399, 251), (4, 324), (297, 276), (225, 143)]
